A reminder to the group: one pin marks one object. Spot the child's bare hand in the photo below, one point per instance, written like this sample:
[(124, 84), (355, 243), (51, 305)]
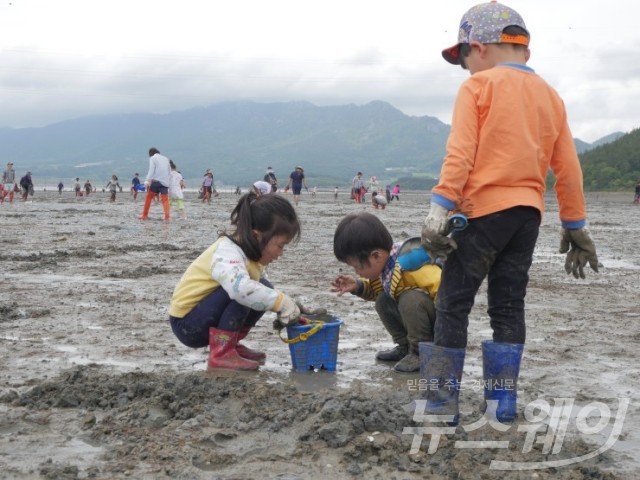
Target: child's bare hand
[(344, 284)]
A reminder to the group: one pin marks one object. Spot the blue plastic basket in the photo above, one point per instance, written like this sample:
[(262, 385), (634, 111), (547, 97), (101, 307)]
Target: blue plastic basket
[(318, 351)]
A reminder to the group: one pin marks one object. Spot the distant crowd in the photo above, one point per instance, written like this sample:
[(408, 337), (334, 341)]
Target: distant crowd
[(165, 184)]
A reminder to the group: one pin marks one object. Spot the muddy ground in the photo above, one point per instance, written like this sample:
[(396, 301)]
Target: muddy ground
[(93, 383)]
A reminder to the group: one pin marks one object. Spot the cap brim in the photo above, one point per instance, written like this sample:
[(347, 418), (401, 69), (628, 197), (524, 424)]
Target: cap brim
[(452, 54)]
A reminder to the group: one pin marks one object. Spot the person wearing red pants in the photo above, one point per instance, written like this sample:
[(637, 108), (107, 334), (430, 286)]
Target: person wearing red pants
[(157, 183)]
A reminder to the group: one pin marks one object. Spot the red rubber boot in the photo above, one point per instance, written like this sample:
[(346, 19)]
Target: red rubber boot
[(223, 354), (246, 352)]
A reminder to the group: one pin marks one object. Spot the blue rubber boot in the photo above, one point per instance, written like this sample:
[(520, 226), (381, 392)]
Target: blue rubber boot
[(501, 368), (441, 367)]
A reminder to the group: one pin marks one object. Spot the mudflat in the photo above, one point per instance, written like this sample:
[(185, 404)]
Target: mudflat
[(93, 384)]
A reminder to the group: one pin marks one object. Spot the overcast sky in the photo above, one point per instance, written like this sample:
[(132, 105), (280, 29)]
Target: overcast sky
[(62, 59)]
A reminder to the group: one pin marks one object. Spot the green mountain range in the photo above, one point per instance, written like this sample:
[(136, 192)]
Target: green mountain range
[(238, 140), (613, 166)]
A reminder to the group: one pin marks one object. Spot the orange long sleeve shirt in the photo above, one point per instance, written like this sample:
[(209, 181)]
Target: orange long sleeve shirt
[(509, 127)]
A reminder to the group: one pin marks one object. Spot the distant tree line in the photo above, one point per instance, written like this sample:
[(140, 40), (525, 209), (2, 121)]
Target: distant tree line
[(614, 166)]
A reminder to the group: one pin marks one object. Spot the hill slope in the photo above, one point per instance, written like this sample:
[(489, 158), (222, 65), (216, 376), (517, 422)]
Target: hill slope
[(238, 140)]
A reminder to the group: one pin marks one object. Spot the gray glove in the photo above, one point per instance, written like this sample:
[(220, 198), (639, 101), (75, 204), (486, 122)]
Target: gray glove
[(580, 249), (438, 246), (288, 314), (434, 233), (437, 220)]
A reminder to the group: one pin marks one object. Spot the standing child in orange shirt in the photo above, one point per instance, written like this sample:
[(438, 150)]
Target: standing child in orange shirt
[(508, 128)]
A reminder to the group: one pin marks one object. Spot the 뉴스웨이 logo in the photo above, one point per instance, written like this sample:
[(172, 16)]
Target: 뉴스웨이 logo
[(544, 423)]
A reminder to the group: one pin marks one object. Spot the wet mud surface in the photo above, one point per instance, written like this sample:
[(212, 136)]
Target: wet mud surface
[(94, 385)]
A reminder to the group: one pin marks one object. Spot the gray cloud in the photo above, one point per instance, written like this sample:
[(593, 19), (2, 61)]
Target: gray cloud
[(600, 86), (45, 89)]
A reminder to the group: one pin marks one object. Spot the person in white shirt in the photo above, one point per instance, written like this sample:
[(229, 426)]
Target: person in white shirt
[(157, 183), (262, 188), (176, 195)]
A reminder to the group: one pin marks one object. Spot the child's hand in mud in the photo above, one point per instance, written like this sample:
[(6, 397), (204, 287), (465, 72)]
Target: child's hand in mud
[(344, 284)]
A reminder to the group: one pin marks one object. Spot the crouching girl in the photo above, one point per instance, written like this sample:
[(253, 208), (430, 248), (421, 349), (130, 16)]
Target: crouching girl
[(225, 291)]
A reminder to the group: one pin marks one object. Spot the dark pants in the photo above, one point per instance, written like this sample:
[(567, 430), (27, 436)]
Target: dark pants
[(216, 310), (500, 247), (157, 187), (409, 321)]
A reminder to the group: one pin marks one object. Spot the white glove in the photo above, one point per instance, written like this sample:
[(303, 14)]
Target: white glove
[(434, 233), (288, 314), (580, 249), (147, 184)]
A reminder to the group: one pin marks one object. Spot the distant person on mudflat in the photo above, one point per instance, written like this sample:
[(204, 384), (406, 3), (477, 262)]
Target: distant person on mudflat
[(357, 185), (113, 187), (379, 201), (296, 181), (157, 183), (262, 188), (395, 192), (387, 193), (636, 198), (9, 182), (374, 184), (270, 177), (176, 190), (27, 186), (136, 186), (208, 189)]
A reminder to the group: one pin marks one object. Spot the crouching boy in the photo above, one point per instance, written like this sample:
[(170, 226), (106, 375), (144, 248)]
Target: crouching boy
[(404, 298)]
